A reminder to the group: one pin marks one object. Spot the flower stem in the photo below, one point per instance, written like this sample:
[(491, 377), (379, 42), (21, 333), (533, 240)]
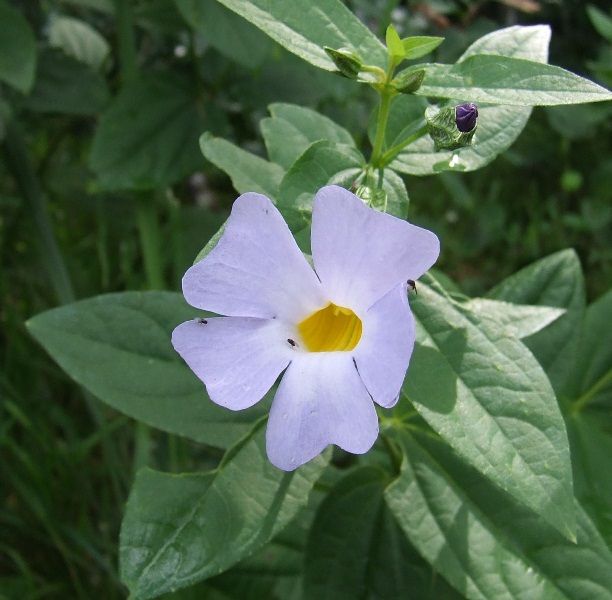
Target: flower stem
[(381, 126), (392, 152)]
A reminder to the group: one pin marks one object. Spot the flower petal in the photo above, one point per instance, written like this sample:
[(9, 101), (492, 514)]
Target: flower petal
[(238, 359), (385, 347), (360, 253), (256, 269), (321, 400)]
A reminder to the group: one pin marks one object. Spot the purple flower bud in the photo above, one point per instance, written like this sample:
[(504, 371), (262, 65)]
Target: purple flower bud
[(465, 116)]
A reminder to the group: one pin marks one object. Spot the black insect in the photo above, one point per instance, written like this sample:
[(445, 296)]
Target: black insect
[(412, 285), (202, 321), (291, 342)]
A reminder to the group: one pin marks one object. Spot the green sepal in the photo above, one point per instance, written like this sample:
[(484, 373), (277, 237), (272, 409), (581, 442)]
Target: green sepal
[(408, 82), (348, 63), (443, 129)]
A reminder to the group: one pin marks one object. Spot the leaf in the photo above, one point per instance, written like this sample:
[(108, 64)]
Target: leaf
[(591, 442), (248, 172), (78, 40), (292, 128), (356, 550), (315, 168), (513, 81), (601, 21), (228, 33), (181, 529), (518, 320), (556, 280), (498, 126), (66, 86), (420, 45), (17, 49), (148, 136), (395, 47), (485, 544), (593, 369), (305, 28), (118, 347), (487, 396)]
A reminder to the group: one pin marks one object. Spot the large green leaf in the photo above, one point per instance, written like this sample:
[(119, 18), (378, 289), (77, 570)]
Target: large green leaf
[(248, 172), (304, 28), (118, 347), (316, 167), (65, 85), (148, 136), (484, 543), (292, 128), (486, 395), (513, 81), (552, 281), (180, 529), (17, 49), (79, 40), (234, 37), (498, 126), (356, 550)]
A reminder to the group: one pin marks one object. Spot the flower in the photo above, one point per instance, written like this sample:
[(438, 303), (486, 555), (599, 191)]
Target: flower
[(466, 116), (342, 333)]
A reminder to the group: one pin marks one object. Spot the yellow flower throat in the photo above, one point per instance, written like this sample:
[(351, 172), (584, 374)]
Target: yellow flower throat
[(331, 329)]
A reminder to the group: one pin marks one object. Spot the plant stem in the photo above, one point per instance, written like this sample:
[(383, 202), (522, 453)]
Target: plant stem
[(584, 400), (21, 168), (392, 152), (148, 228), (381, 125), (126, 41)]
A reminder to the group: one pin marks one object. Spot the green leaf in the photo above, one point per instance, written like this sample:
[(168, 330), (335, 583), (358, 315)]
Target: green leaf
[(228, 33), (513, 81), (556, 280), (292, 128), (148, 136), (487, 396), (17, 49), (592, 377), (395, 47), (180, 529), (316, 167), (591, 442), (498, 126), (248, 172), (420, 45), (485, 544), (118, 347), (356, 550), (65, 85), (79, 40), (518, 320), (601, 21), (306, 29)]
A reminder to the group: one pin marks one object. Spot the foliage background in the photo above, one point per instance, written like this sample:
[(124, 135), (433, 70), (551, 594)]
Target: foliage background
[(66, 462)]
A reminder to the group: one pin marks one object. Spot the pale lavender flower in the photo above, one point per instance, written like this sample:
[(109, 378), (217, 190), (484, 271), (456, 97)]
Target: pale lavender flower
[(342, 333)]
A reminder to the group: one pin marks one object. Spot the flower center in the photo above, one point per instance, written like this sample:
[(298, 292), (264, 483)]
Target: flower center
[(331, 329)]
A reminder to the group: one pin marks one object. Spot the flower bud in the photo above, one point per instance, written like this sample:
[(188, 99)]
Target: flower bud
[(408, 82), (348, 63), (372, 196), (442, 125), (466, 116)]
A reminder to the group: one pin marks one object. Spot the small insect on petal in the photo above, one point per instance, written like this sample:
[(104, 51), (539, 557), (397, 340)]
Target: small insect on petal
[(291, 342), (412, 285), (202, 321)]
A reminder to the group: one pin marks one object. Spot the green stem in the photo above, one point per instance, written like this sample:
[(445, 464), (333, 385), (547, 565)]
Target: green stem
[(583, 401), (21, 168), (126, 39), (392, 152), (150, 241), (381, 126)]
